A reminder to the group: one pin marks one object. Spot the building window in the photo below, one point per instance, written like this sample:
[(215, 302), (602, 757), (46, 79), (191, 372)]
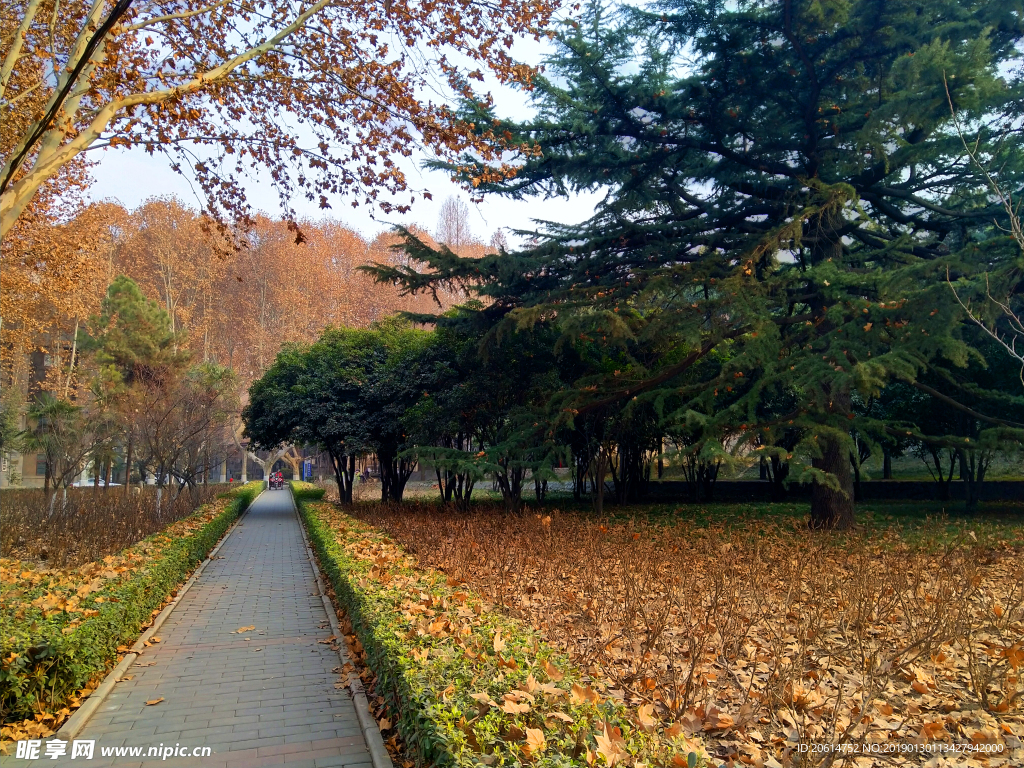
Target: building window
[(40, 464)]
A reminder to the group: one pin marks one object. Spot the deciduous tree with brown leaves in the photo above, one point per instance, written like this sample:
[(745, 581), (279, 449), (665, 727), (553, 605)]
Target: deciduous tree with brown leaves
[(321, 96)]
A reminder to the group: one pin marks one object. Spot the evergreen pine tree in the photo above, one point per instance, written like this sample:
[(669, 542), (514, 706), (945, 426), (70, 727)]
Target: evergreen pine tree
[(785, 191)]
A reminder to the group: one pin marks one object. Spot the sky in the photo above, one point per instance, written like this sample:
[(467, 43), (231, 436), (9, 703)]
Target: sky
[(131, 176)]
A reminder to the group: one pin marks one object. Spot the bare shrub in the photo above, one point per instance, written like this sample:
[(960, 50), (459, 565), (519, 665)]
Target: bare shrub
[(89, 524)]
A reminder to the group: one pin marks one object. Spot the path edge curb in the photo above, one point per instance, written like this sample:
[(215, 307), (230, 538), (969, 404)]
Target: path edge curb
[(74, 724), (371, 733)]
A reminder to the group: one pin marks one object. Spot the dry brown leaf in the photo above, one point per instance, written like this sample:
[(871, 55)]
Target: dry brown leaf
[(645, 714), (151, 702), (551, 671), (535, 743), (610, 745), (581, 695)]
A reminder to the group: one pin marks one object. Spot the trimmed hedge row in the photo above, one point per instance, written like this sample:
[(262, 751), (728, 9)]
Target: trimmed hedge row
[(469, 685), (303, 491), (46, 661)]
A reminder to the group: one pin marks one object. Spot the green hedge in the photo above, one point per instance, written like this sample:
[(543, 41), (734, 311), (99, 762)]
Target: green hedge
[(303, 491), (429, 678), (44, 665)]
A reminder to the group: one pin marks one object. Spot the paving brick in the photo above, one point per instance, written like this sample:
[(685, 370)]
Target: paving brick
[(272, 706)]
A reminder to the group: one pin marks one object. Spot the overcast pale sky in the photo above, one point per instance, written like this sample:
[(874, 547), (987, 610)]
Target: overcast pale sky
[(132, 176)]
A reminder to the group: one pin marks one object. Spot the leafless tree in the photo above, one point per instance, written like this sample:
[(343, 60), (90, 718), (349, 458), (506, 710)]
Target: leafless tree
[(498, 241), (1010, 331), (453, 225)]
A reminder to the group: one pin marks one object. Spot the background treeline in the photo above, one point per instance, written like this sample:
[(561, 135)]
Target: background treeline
[(232, 296), (129, 338), (475, 406), (809, 251)]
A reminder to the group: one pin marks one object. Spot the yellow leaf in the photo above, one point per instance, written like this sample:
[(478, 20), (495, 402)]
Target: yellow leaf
[(499, 643), (514, 708), (609, 746)]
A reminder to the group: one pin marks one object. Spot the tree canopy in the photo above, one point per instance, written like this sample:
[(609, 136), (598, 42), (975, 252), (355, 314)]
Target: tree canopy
[(323, 96)]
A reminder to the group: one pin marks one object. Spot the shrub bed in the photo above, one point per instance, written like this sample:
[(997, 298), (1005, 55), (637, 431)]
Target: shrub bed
[(63, 628), (303, 491), (87, 524), (470, 686)]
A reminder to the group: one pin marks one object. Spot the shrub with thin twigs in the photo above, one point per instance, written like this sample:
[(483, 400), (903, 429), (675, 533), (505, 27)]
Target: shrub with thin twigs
[(767, 640), (91, 524)]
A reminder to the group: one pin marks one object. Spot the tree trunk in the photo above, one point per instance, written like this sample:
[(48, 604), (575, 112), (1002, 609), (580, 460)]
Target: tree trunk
[(128, 466), (778, 474), (830, 508), (973, 466), (886, 465), (394, 474), (350, 477), (600, 470)]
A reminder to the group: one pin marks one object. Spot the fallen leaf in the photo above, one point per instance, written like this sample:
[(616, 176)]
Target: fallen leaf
[(535, 743), (499, 643), (645, 714), (551, 671), (514, 708), (151, 702), (610, 745), (581, 695)]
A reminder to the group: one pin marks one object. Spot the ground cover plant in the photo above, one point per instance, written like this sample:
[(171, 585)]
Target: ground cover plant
[(90, 524), (64, 627), (757, 636), (467, 684)]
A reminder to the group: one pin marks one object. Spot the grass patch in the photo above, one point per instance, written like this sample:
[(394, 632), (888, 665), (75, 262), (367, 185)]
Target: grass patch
[(470, 685), (62, 629)]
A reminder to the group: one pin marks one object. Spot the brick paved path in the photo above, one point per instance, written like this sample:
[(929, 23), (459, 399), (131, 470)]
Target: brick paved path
[(265, 697)]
